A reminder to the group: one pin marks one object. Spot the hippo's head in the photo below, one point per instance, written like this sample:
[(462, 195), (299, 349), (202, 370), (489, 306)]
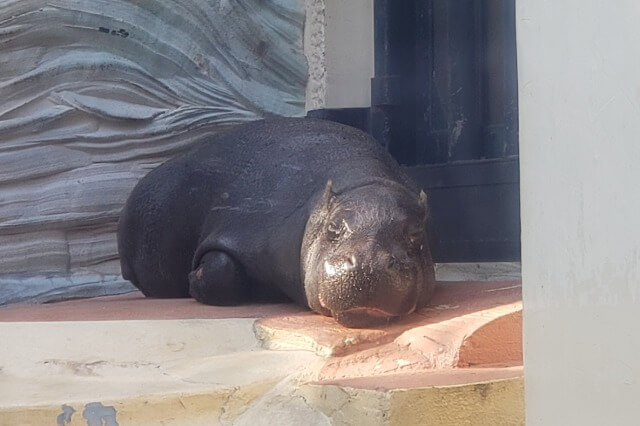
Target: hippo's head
[(365, 257)]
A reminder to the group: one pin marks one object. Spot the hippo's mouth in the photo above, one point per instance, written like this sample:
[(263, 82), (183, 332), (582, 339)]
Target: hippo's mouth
[(364, 317)]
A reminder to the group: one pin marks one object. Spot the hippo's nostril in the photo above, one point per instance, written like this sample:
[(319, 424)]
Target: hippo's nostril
[(329, 269), (391, 263), (341, 265)]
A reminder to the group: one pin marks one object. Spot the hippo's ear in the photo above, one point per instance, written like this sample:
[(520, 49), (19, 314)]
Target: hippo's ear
[(422, 201), (327, 196), (320, 213)]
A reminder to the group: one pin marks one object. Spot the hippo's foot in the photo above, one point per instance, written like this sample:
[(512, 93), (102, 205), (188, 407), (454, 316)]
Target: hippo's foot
[(217, 281)]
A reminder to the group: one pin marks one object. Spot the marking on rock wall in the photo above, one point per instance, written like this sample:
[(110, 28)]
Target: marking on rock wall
[(97, 414), (64, 418), (120, 32)]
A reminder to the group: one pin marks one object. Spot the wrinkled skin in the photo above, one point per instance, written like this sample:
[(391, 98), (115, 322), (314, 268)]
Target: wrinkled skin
[(284, 208), (365, 257)]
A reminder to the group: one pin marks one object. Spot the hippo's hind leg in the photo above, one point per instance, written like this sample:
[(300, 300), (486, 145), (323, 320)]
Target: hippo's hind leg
[(218, 280)]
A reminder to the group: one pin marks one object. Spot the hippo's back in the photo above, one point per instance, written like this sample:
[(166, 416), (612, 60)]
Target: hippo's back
[(265, 155)]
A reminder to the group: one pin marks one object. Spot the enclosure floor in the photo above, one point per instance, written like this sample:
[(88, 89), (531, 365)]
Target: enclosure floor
[(134, 306), (174, 362)]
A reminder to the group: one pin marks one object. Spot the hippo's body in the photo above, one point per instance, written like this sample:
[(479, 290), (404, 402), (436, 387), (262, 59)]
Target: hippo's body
[(307, 209)]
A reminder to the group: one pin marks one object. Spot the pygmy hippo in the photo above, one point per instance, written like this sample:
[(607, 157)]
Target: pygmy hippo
[(310, 210)]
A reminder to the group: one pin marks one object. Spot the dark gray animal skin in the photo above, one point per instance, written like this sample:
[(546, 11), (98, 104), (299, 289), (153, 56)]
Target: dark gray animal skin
[(295, 208)]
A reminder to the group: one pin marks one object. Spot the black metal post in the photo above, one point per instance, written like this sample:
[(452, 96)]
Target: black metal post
[(501, 102), (393, 87), (449, 120)]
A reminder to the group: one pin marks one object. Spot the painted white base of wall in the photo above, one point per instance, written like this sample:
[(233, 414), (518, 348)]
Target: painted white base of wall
[(488, 271), (45, 289)]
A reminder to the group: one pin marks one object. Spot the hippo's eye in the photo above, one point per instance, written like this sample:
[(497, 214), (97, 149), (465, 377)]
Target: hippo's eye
[(416, 240), (335, 230), (338, 229)]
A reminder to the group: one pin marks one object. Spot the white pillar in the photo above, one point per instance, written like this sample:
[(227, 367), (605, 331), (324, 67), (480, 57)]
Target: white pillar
[(579, 95)]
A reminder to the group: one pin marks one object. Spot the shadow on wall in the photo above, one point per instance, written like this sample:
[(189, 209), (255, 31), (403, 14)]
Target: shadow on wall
[(97, 93)]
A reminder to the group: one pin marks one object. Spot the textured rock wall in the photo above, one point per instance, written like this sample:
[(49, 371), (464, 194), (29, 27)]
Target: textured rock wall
[(95, 93)]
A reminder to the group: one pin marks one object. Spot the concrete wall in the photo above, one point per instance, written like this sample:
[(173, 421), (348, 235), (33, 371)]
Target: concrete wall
[(579, 82)]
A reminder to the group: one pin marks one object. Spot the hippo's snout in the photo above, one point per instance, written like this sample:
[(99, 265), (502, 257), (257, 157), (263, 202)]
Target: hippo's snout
[(368, 289), (340, 265)]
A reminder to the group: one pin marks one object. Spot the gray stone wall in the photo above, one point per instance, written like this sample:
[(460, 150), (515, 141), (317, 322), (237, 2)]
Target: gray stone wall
[(95, 93)]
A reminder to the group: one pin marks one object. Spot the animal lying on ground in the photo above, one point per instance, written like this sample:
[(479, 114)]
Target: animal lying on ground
[(296, 208)]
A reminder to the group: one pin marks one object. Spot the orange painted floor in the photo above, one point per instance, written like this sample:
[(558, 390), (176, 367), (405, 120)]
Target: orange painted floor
[(135, 306), (466, 296)]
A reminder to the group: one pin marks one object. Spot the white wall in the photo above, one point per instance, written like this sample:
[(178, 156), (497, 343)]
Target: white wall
[(579, 82), (350, 50), (339, 49)]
